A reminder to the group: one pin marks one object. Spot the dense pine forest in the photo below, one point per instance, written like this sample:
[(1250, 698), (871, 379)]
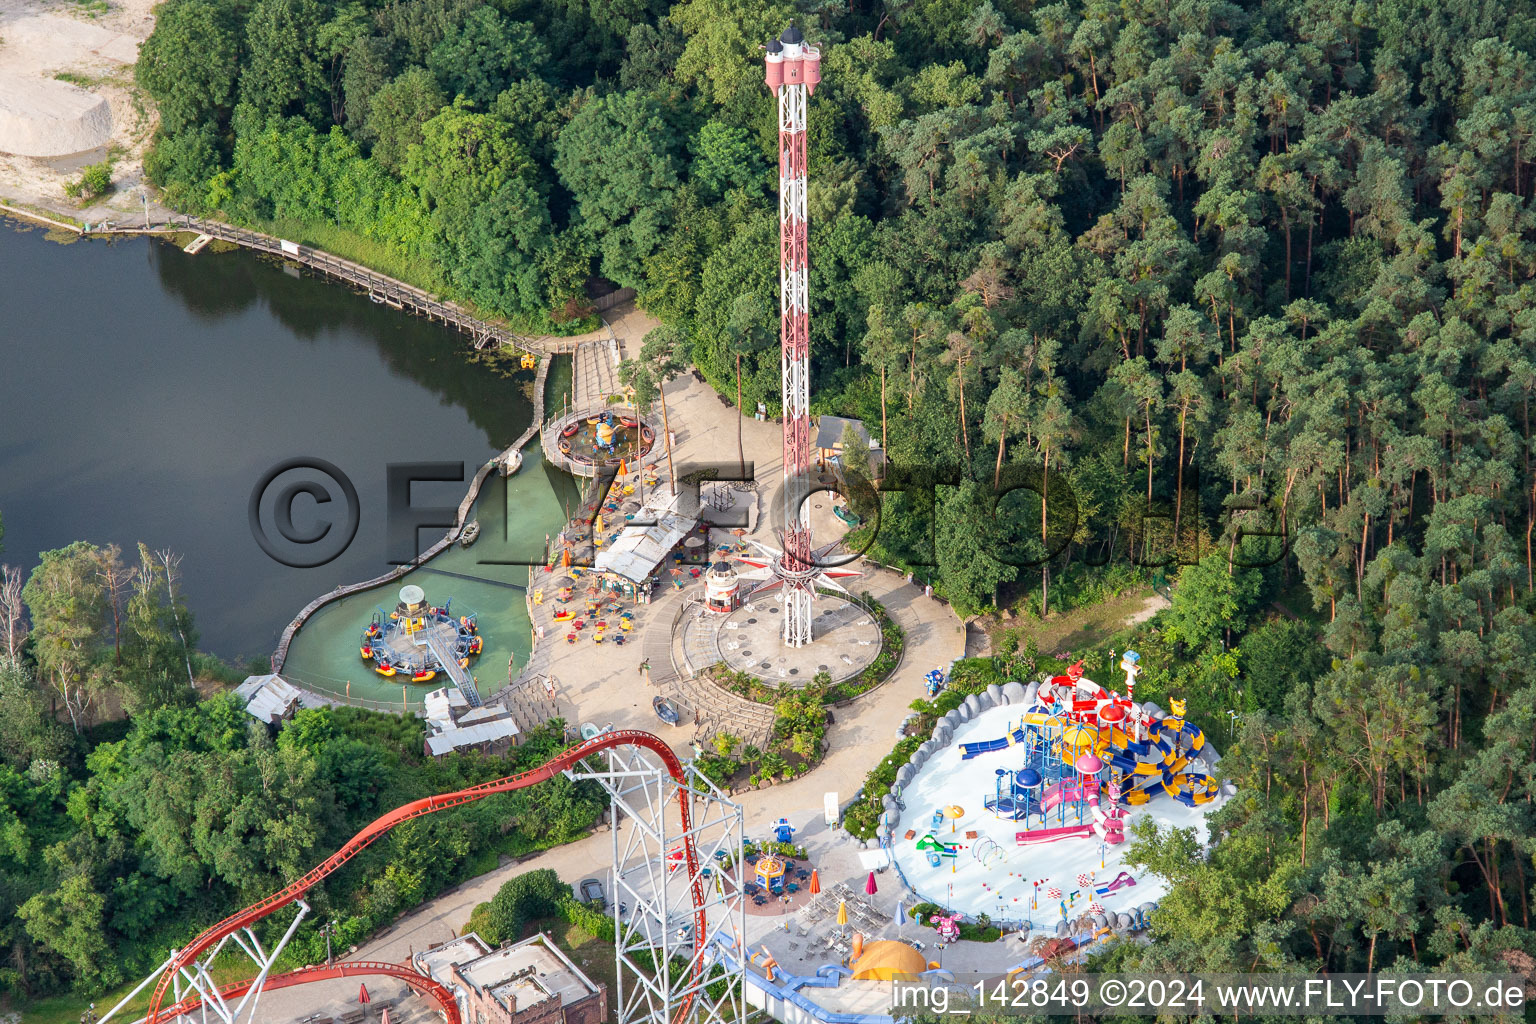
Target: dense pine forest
[(1245, 290)]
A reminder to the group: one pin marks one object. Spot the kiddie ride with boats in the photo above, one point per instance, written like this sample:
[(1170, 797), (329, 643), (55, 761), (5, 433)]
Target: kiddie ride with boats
[(607, 436), (414, 639)]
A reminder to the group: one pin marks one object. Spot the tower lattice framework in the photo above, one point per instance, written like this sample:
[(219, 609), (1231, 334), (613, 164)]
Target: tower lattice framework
[(793, 70)]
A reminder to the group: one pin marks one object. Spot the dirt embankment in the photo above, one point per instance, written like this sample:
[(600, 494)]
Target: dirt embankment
[(68, 99)]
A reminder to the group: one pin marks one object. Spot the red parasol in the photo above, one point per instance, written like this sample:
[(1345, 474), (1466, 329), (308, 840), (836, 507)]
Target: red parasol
[(815, 886), (869, 886), (362, 994)]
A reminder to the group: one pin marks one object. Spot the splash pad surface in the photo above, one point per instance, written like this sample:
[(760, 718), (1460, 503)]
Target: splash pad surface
[(1000, 882)]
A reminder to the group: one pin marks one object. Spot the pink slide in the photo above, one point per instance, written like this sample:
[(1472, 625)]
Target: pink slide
[(1050, 835), (1068, 791), (1110, 824)]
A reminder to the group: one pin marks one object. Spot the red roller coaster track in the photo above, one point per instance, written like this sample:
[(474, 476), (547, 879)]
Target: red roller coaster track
[(351, 969), (416, 809)]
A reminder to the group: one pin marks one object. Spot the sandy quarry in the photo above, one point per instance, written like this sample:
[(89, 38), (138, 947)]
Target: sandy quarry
[(50, 128)]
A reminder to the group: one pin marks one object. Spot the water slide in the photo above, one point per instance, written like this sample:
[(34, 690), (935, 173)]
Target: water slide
[(1158, 764), (1068, 792), (1050, 835), (1161, 762), (1050, 724)]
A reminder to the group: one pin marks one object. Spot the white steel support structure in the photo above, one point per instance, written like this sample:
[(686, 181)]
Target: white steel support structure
[(197, 979), (793, 70), (654, 914)]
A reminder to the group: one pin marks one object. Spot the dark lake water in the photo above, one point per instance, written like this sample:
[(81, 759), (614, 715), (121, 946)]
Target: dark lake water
[(144, 393)]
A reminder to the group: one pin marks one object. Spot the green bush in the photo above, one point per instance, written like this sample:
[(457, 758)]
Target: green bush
[(981, 930), (566, 908), (862, 818), (94, 181), (1081, 586), (588, 918), (974, 675), (522, 899)]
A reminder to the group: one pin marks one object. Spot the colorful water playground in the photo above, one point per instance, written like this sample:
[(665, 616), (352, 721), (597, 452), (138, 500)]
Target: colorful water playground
[(1019, 806)]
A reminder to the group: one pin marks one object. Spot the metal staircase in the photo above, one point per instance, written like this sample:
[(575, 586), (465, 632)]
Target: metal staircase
[(456, 672)]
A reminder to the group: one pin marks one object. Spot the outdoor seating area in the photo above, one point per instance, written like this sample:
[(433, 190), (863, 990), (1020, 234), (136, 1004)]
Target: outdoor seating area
[(862, 914), (819, 936)]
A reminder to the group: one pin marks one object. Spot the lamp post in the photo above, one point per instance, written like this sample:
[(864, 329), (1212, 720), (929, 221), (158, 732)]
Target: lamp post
[(328, 929)]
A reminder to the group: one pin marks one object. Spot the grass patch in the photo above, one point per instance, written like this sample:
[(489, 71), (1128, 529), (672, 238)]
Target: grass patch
[(350, 245), (83, 81), (594, 955), (62, 218)]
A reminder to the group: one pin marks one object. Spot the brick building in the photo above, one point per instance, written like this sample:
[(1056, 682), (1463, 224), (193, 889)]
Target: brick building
[(527, 982)]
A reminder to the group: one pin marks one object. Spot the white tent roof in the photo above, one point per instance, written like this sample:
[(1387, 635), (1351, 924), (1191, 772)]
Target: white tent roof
[(638, 550), (441, 705), (486, 732)]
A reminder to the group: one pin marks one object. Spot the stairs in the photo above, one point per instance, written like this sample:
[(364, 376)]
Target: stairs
[(720, 711), (527, 702), (456, 672), (594, 375)]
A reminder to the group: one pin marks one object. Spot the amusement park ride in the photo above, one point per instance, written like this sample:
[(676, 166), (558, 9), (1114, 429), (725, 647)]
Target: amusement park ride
[(674, 823), (793, 71)]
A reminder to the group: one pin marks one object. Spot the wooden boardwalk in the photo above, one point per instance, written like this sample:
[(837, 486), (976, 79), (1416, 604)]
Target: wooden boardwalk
[(383, 289), (595, 373), (380, 288)]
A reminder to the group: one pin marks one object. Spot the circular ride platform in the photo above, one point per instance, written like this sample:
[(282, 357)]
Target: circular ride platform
[(750, 639), (419, 640), (408, 650), (572, 439)]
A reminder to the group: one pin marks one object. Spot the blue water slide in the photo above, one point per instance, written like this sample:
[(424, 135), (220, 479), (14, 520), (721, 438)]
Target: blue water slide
[(970, 750)]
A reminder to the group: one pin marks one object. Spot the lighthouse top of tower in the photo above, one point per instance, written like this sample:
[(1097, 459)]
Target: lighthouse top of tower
[(792, 61), (794, 46)]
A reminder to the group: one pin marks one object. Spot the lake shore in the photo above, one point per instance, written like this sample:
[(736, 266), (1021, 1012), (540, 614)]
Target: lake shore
[(70, 100)]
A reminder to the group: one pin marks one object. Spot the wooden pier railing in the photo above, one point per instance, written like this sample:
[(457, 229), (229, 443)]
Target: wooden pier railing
[(383, 289)]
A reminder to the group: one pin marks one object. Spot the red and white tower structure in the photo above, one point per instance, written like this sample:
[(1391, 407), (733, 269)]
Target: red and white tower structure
[(793, 70)]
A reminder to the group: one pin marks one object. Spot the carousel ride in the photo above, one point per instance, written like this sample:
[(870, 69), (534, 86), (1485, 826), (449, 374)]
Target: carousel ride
[(418, 640), (605, 438)]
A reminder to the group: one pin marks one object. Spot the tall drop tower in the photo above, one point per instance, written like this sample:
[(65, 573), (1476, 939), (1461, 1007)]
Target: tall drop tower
[(793, 70)]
